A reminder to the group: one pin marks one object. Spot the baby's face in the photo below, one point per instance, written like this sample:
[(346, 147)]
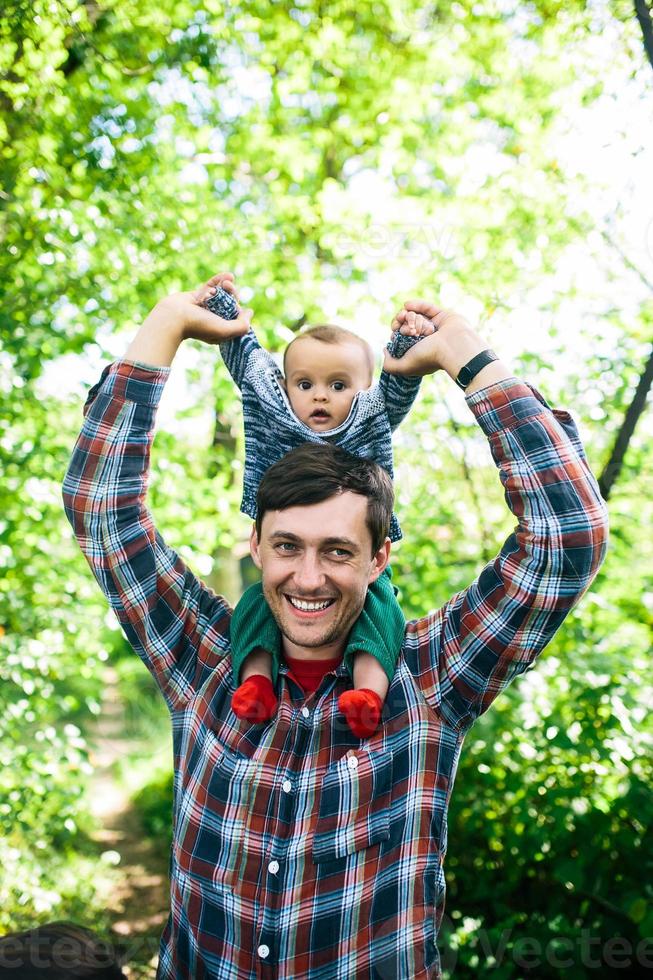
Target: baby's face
[(322, 380)]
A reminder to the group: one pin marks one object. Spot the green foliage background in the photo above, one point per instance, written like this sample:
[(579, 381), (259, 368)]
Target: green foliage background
[(145, 146)]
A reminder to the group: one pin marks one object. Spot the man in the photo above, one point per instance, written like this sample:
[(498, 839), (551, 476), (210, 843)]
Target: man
[(298, 850)]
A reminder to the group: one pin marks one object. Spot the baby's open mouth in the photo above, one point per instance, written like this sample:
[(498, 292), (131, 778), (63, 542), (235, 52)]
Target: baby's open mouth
[(320, 413)]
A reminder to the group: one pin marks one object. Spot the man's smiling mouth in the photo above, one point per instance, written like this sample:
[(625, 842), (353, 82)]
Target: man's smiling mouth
[(312, 606)]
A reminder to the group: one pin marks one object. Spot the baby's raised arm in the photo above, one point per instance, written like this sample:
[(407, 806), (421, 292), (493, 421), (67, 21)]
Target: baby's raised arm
[(400, 391), (223, 302)]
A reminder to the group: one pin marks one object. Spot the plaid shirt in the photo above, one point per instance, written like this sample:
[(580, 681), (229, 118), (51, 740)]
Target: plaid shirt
[(300, 851)]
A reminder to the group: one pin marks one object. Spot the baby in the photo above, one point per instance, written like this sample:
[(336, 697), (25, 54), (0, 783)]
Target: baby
[(326, 393)]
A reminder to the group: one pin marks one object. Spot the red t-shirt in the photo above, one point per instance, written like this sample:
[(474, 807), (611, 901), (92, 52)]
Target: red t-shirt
[(309, 673)]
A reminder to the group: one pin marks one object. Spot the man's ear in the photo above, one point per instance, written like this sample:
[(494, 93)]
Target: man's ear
[(380, 561), (254, 548)]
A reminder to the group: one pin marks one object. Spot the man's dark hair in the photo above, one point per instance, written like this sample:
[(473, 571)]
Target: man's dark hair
[(58, 951), (313, 472)]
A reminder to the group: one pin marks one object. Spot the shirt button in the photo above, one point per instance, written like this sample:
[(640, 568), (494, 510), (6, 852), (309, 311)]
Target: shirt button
[(263, 951), (273, 867), (352, 762), (305, 712), (286, 786)]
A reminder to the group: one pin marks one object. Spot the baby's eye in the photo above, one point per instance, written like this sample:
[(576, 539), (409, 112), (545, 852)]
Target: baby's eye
[(304, 385), (339, 386)]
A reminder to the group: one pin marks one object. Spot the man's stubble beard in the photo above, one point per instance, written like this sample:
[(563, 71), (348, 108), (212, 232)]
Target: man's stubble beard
[(336, 632)]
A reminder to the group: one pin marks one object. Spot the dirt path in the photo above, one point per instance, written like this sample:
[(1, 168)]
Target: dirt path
[(138, 906)]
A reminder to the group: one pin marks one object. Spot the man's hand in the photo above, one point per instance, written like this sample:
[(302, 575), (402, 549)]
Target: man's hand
[(180, 317), (198, 323), (453, 344)]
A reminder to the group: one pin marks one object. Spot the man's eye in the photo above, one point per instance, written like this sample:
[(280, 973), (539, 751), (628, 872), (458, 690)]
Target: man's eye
[(286, 546), (340, 553), (339, 386), (304, 385)]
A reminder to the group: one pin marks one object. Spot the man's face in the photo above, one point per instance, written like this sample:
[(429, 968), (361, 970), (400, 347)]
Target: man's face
[(323, 379), (317, 563)]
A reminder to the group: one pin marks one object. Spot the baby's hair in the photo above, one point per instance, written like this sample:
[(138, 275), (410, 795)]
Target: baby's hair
[(330, 333)]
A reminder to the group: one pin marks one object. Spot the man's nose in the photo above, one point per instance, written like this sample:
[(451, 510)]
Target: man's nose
[(308, 574)]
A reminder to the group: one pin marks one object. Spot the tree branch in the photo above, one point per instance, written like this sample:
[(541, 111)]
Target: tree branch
[(78, 43), (613, 466), (646, 23), (298, 323), (626, 261)]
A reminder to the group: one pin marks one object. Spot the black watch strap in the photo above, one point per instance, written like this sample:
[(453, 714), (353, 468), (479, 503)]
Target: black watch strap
[(467, 373)]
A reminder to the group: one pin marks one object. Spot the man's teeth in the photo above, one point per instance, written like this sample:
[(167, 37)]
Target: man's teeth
[(309, 606)]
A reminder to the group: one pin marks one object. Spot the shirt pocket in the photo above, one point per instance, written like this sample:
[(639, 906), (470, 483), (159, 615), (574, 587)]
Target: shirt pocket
[(212, 822), (354, 808)]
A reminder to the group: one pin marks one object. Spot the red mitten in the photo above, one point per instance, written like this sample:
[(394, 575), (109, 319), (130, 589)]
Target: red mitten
[(362, 710), (255, 699)]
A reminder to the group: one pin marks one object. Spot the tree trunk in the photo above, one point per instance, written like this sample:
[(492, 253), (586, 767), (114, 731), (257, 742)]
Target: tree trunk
[(225, 578), (613, 466), (643, 13)]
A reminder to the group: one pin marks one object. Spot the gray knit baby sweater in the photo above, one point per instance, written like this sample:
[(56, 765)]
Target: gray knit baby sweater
[(272, 429)]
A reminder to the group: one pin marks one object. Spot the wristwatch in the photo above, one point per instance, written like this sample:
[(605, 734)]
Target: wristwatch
[(467, 373)]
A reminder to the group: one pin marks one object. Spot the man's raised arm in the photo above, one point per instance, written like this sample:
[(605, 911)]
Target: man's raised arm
[(466, 653), (173, 621)]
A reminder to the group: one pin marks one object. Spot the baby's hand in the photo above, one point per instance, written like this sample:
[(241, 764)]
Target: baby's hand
[(415, 325)]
